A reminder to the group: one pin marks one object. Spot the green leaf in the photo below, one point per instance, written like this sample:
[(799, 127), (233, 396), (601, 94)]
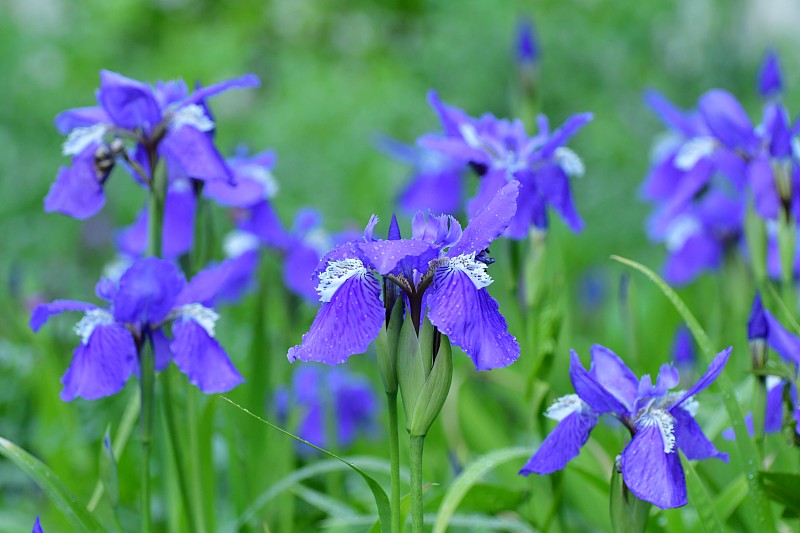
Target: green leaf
[(784, 488), (405, 508), (629, 514), (108, 469), (52, 485), (486, 498), (729, 499), (747, 448), (701, 501), (470, 477), (381, 499)]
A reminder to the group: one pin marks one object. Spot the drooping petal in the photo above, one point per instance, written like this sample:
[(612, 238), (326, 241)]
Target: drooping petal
[(242, 82), (240, 277), (591, 391), (131, 104), (161, 349), (779, 339), (489, 223), (726, 119), (650, 473), (42, 313), (348, 321), (264, 222), (691, 439), (202, 359), (488, 187), (765, 190), (470, 317), (773, 418), (77, 191), (194, 153), (697, 253), (553, 183), (613, 375), (714, 370), (147, 291), (101, 366), (80, 117), (298, 270), (563, 444)]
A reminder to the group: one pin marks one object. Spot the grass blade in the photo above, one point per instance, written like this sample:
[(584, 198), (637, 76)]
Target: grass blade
[(381, 499), (701, 501), (52, 485), (471, 475)]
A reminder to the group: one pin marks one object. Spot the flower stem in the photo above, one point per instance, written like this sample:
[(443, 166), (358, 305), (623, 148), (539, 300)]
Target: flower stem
[(416, 483), (158, 188), (394, 458), (173, 434), (147, 384)]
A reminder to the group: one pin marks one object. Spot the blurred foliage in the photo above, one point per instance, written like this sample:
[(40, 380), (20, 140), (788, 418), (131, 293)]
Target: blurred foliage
[(337, 75)]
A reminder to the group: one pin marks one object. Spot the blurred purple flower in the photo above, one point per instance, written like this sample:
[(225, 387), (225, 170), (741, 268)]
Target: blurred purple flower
[(527, 47), (440, 269), (660, 423), (37, 527), (136, 123), (348, 397), (683, 351), (770, 79), (437, 181), (500, 151), (149, 295)]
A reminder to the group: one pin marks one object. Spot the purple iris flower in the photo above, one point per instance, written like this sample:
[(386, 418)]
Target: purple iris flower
[(660, 423), (37, 527), (349, 397), (441, 270), (437, 181), (150, 294), (763, 326), (500, 151), (137, 124), (253, 180)]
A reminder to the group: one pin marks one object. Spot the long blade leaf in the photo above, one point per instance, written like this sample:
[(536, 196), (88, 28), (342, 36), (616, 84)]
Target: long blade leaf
[(471, 475), (52, 485), (381, 499)]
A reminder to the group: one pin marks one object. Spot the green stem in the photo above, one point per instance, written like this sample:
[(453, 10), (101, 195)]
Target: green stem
[(147, 384), (394, 457), (168, 405), (759, 412), (147, 379), (196, 479), (416, 483)]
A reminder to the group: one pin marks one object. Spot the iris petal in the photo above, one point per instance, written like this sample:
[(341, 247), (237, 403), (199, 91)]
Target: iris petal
[(651, 474), (102, 365), (470, 317), (345, 325), (562, 445), (690, 437), (202, 359)]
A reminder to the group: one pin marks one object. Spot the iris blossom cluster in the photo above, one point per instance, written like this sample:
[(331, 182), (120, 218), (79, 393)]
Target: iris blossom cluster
[(441, 271), (500, 151), (315, 390), (708, 164), (137, 124), (150, 297), (660, 422)]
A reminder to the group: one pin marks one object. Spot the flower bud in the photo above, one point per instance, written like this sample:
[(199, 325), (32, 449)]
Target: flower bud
[(424, 373), (387, 348)]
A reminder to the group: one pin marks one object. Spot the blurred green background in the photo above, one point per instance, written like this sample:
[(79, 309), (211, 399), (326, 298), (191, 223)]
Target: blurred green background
[(336, 75)]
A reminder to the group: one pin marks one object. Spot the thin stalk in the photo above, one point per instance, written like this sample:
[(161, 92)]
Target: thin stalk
[(417, 519), (173, 434), (394, 458), (147, 363), (147, 384)]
